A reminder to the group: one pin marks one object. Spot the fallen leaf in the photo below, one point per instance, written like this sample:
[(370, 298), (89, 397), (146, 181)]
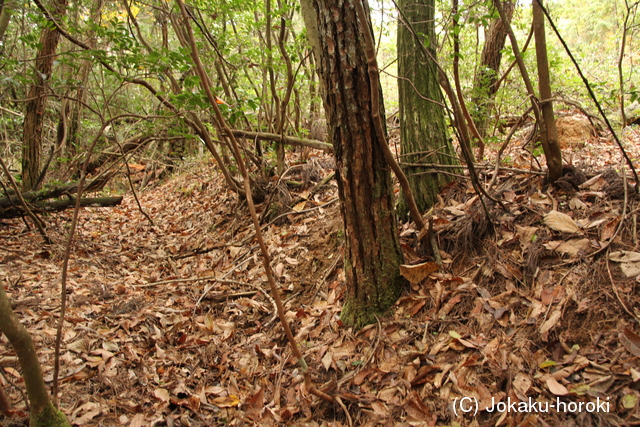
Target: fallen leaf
[(227, 401), (576, 204), (609, 229), (162, 394), (540, 199), (551, 321), (78, 346), (300, 206), (556, 388), (417, 273), (521, 384), (629, 262), (631, 341), (559, 221), (629, 401), (571, 247), (416, 408)]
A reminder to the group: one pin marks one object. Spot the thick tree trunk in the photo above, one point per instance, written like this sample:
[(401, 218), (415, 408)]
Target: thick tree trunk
[(485, 85), (34, 116), (423, 129), (372, 251)]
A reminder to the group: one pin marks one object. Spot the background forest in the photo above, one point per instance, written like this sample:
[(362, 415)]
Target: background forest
[(176, 178)]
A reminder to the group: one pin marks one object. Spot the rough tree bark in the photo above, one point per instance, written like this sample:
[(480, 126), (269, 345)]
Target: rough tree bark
[(34, 115), (423, 129), (372, 251), (485, 85)]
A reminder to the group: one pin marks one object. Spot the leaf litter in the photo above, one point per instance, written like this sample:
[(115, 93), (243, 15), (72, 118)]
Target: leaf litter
[(172, 326)]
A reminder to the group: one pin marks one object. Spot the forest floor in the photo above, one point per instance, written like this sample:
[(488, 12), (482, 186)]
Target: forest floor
[(172, 324)]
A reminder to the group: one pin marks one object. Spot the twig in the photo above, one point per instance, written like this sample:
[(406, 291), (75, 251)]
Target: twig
[(36, 220), (208, 288), (299, 212), (324, 279), (346, 412), (367, 360), (20, 390), (513, 130), (191, 279), (225, 296), (618, 228), (615, 290), (133, 190)]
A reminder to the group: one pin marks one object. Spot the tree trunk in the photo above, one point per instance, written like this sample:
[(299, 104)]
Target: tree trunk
[(485, 85), (372, 251), (5, 16), (548, 131), (43, 413), (76, 108), (34, 116), (423, 129)]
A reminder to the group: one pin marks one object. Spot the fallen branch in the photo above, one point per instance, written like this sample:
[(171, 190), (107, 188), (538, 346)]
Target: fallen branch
[(291, 140), (54, 193), (119, 150), (60, 205)]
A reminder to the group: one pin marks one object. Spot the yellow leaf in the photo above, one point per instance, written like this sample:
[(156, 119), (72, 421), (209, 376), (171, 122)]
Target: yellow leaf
[(300, 206)]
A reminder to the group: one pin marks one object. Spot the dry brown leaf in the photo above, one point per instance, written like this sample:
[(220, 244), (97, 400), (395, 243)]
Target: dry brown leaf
[(631, 341), (227, 401), (449, 305), (576, 204), (78, 346), (416, 408), (380, 408), (594, 184), (417, 273), (609, 229), (559, 221), (327, 360), (87, 412), (603, 384), (540, 199), (300, 206), (551, 321), (526, 235), (571, 247), (454, 211), (162, 394), (556, 388), (629, 262), (521, 384), (138, 421)]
